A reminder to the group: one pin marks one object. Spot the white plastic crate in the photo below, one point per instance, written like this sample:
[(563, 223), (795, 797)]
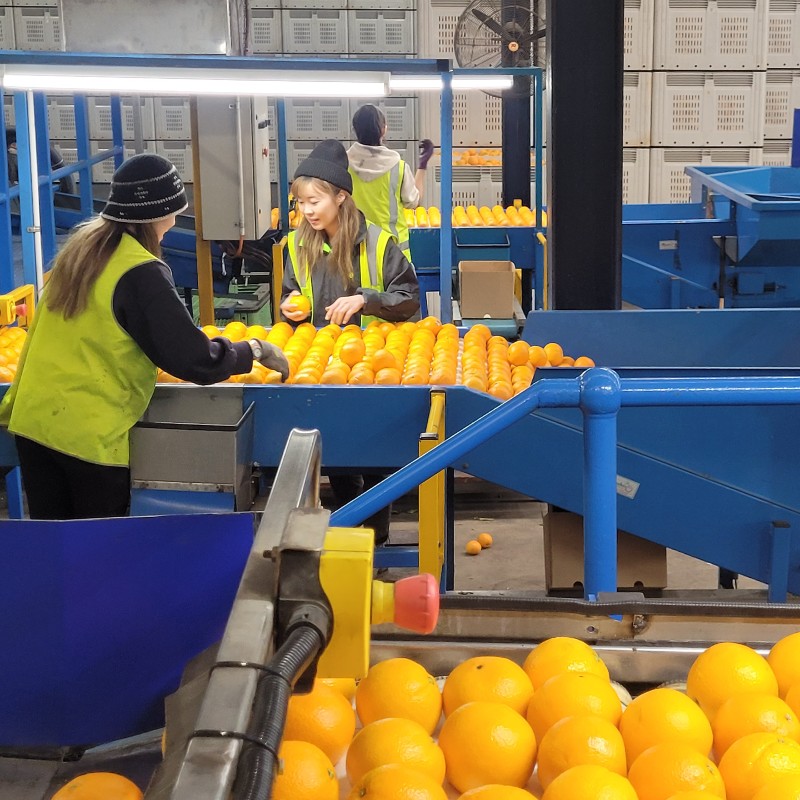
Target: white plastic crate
[(636, 99), (638, 34), (668, 181), (710, 34), (254, 4), (477, 119), (708, 108), (479, 186), (635, 175), (315, 4), (400, 113), (394, 4), (783, 34), (7, 40), (782, 98), (778, 153), (172, 118), (297, 151), (314, 31), (266, 27), (100, 118), (8, 110), (180, 154), (407, 150), (102, 172), (61, 116), (326, 118), (37, 29), (31, 3), (273, 162), (384, 31)]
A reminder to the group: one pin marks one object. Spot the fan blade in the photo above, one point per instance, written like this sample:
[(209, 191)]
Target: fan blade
[(491, 24)]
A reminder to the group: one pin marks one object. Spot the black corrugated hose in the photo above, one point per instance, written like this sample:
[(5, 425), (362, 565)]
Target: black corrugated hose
[(256, 769)]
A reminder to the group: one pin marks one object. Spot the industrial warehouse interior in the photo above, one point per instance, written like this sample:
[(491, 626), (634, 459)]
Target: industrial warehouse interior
[(399, 400)]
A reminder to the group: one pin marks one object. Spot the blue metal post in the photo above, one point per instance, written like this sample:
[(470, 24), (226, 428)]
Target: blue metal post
[(555, 392), (446, 200), (25, 188), (116, 129), (82, 142), (283, 164), (14, 494), (537, 104), (7, 282), (47, 218), (796, 139), (600, 403)]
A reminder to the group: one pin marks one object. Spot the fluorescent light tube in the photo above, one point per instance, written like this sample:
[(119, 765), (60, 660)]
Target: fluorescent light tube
[(413, 83), (192, 82)]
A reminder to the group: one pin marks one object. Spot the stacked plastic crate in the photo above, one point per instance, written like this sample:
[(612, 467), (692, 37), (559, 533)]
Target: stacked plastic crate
[(709, 83), (783, 80)]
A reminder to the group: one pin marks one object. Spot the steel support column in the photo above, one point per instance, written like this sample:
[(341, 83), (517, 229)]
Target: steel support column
[(584, 152)]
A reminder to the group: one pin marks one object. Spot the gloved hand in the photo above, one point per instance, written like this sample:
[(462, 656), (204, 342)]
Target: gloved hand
[(425, 153), (271, 357)]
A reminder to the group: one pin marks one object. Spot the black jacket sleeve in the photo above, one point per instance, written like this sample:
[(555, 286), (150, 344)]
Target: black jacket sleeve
[(146, 304), (399, 300)]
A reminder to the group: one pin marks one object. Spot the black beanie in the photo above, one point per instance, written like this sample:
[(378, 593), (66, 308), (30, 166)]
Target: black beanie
[(146, 188), (328, 162)]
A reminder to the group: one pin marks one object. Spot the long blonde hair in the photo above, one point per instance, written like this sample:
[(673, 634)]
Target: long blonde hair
[(342, 244), (80, 261)]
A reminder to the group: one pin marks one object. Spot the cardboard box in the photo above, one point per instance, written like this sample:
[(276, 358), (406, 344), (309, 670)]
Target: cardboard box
[(486, 289), (640, 564)]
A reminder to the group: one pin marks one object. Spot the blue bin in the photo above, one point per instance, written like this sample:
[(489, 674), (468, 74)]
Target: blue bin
[(481, 244)]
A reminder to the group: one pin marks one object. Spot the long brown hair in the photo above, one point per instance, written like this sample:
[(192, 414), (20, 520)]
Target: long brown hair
[(342, 244), (80, 261)]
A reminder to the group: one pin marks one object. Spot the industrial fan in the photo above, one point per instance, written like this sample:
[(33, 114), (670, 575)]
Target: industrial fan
[(501, 33)]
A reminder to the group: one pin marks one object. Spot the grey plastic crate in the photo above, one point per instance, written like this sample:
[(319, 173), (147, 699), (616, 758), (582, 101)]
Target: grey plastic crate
[(172, 118), (267, 32), (37, 28), (297, 151), (7, 40), (400, 113), (381, 30), (100, 118), (314, 31), (326, 118)]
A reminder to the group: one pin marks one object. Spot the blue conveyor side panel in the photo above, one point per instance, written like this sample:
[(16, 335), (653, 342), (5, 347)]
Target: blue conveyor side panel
[(101, 616)]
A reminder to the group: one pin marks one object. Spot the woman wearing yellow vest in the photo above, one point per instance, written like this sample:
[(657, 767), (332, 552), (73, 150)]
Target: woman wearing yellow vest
[(383, 184), (109, 316), (349, 269)]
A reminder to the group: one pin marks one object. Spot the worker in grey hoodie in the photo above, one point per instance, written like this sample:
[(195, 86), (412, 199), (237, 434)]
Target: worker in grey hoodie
[(383, 184)]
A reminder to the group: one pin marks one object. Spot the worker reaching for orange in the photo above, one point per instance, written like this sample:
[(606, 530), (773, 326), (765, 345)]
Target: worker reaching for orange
[(108, 318)]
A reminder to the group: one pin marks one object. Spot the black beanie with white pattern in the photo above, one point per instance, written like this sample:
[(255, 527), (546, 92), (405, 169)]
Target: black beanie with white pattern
[(145, 188)]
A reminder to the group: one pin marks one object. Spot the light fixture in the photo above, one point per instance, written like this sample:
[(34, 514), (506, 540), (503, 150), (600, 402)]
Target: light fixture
[(169, 81), (421, 83)]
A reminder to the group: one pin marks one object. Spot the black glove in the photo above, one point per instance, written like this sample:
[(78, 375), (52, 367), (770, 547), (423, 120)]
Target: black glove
[(425, 153), (270, 356)]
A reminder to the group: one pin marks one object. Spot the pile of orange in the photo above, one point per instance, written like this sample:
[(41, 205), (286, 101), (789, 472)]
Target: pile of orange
[(476, 217), (424, 353), (12, 340)]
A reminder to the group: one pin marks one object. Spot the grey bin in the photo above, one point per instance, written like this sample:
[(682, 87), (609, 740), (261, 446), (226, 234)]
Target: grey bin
[(195, 438)]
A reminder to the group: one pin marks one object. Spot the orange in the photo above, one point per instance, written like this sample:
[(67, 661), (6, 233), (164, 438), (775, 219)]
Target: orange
[(502, 390), (473, 547), (383, 359), (362, 377), (726, 669), (323, 717), (590, 782), (787, 787), (537, 356), (664, 715), (755, 760), (235, 331), (570, 694), (496, 791), (671, 767), (345, 686), (254, 376), (567, 361), (334, 376), (306, 774), (211, 331), (99, 786), (518, 353), (562, 654), (300, 303), (487, 743), (399, 687), (692, 795), (448, 331), (481, 330), (394, 741), (386, 328), (784, 660), (474, 382), (584, 361), (388, 377), (580, 740), (485, 540), (554, 353), (430, 323), (396, 782), (352, 351), (487, 678), (256, 332), (7, 375), (753, 713)]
